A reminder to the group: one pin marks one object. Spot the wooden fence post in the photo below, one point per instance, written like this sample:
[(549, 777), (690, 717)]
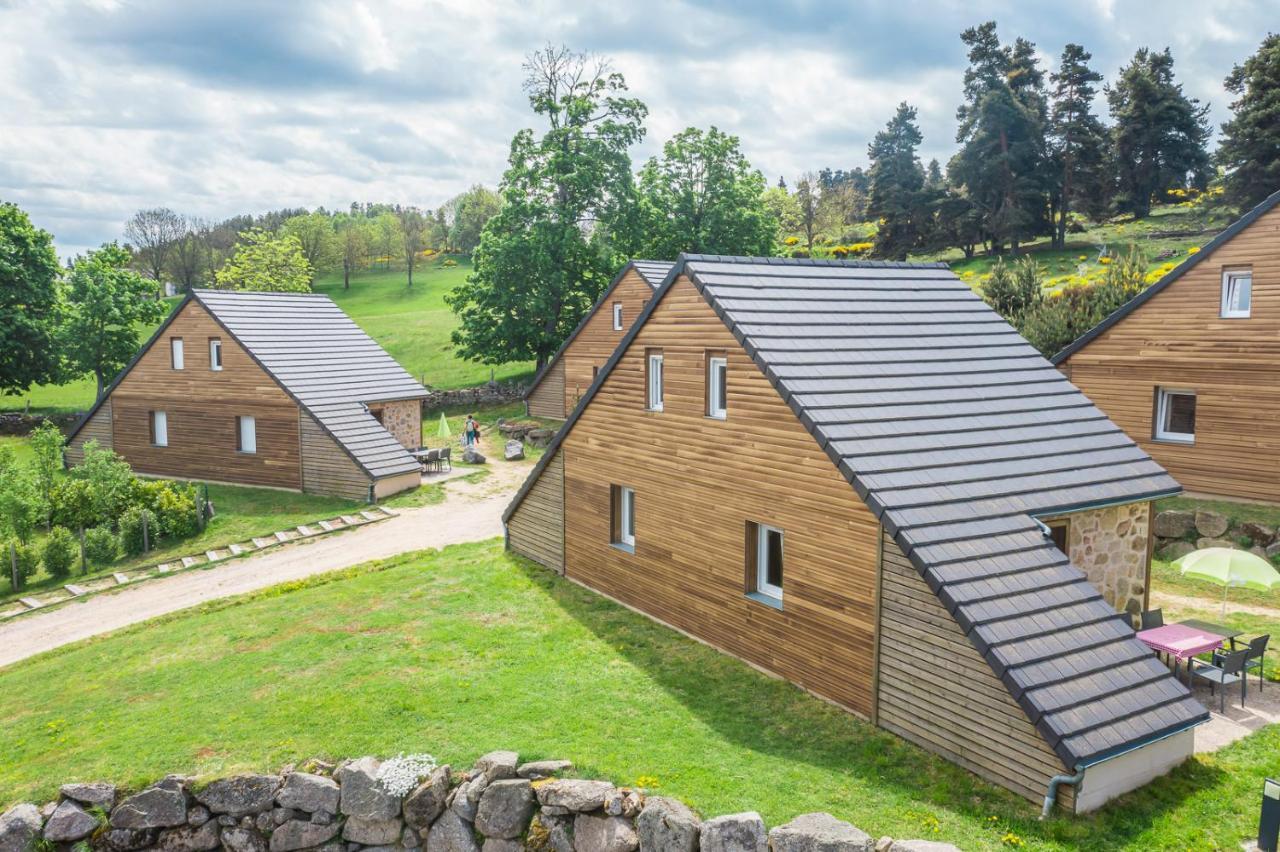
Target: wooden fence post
[(146, 539)]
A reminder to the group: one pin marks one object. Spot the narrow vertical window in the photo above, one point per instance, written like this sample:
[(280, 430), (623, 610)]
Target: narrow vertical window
[(215, 353), (717, 386), (159, 429), (1175, 415), (623, 512), (1237, 293), (176, 354), (617, 316), (653, 379), (765, 562), (246, 434)]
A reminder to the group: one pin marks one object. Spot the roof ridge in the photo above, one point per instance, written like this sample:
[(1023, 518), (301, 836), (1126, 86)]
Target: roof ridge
[(814, 261)]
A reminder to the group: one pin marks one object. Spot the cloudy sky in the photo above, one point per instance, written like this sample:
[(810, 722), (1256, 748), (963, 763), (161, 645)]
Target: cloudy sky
[(215, 108)]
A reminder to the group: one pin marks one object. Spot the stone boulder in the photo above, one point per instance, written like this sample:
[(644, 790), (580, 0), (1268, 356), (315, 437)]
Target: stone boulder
[(190, 838), (19, 828), (733, 833), (298, 834), (452, 833), (513, 451), (163, 805), (498, 844), (540, 437), (505, 808), (551, 833), (427, 801), (536, 770), (667, 824), (497, 765), (304, 791), (97, 794), (819, 833), (1202, 543), (624, 803), (574, 795), (1211, 524), (596, 833), (473, 457), (69, 822), (372, 832), (1260, 534), (362, 795), (466, 799), (1272, 550), (1176, 550), (1175, 524), (128, 839), (240, 795), (1258, 551), (921, 846), (241, 839)]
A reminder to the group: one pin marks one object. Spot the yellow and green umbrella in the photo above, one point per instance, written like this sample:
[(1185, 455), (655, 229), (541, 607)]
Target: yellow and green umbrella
[(442, 431), (1228, 567)]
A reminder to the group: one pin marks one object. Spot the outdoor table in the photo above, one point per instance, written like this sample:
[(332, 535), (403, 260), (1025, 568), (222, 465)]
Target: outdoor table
[(1209, 627), (1182, 642)]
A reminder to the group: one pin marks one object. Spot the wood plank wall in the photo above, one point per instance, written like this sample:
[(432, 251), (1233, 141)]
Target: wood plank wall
[(326, 467), (937, 691), (97, 429), (536, 528), (1177, 339), (202, 406), (698, 482), (597, 340), (547, 399)]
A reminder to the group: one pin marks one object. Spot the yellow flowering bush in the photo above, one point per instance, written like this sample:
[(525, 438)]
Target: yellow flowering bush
[(860, 248), (1193, 250), (791, 241)]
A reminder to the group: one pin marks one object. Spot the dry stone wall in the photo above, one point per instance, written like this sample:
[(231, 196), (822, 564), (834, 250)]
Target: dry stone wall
[(402, 805), (1110, 546), (403, 419)]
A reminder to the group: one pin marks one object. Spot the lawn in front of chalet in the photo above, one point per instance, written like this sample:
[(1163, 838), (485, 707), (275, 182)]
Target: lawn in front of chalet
[(459, 652)]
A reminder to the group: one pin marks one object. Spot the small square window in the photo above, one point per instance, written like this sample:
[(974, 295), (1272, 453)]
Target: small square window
[(176, 354), (765, 561), (617, 316), (623, 512), (717, 386), (1175, 415), (653, 379), (215, 354), (1237, 293), (159, 428), (246, 434), (1060, 535)]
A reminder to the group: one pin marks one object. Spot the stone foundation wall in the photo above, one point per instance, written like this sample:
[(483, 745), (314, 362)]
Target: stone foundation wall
[(408, 805), (403, 419), (486, 394), (1110, 546), (16, 423)]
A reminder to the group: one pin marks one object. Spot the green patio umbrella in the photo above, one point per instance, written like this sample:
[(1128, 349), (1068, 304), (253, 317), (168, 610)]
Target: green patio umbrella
[(442, 431), (1228, 567)]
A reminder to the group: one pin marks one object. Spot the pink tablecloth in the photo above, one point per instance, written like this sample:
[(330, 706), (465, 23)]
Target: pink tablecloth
[(1180, 640)]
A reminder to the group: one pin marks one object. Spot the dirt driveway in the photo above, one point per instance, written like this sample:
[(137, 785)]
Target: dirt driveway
[(472, 512)]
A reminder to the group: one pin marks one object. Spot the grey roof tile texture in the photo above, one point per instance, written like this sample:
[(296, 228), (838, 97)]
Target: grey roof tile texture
[(327, 363)]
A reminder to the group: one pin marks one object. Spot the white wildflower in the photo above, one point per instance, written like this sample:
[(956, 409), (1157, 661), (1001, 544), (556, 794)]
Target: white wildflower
[(399, 775)]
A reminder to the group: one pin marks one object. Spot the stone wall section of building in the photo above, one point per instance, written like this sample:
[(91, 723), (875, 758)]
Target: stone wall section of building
[(403, 419), (1110, 546)]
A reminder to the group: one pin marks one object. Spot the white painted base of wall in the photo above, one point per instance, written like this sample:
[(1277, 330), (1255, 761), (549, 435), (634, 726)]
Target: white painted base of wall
[(395, 484), (1104, 781)]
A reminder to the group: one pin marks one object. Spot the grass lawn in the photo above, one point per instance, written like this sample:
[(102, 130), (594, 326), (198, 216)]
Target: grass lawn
[(466, 650)]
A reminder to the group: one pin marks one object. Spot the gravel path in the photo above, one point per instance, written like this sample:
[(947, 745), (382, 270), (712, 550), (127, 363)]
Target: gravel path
[(472, 512)]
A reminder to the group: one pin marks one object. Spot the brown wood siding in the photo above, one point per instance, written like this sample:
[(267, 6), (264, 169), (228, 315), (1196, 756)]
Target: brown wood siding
[(938, 692), (547, 399), (326, 467), (202, 405), (536, 528), (698, 482), (97, 429), (597, 340), (1177, 339)]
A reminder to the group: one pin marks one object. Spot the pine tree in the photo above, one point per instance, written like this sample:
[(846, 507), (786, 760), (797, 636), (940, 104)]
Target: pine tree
[(897, 180), (1158, 142), (1250, 148), (1077, 141)]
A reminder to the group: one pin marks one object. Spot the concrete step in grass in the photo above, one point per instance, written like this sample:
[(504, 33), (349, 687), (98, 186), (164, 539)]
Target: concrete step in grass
[(76, 591), (164, 567), (30, 603), (304, 531), (215, 555), (188, 561), (264, 542), (120, 579), (351, 520), (282, 536), (327, 526), (370, 516), (237, 549)]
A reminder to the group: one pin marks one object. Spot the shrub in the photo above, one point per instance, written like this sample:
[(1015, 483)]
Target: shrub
[(73, 504), (176, 511), (28, 561), (101, 546), (60, 552), (131, 529), (1014, 290)]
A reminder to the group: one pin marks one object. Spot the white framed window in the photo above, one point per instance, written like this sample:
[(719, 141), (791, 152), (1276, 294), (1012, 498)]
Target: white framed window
[(717, 386), (617, 316), (215, 353), (1237, 293), (624, 515), (159, 429), (1175, 415), (653, 380), (768, 561), (177, 356), (246, 434)]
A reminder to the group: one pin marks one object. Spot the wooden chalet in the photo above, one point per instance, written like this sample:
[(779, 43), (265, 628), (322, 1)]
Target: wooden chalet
[(564, 380), (853, 475), (1188, 367), (280, 390)]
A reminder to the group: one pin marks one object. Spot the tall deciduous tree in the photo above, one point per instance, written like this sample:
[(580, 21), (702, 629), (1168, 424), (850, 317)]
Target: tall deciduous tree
[(897, 184), (267, 263), (354, 239), (702, 196), (153, 233), (1159, 134), (472, 210), (314, 232), (1078, 142), (106, 301), (29, 301), (192, 254), (413, 232), (1250, 148), (545, 257), (808, 210)]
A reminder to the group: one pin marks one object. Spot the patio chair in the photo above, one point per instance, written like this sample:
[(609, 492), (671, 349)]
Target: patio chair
[(1152, 618), (430, 459), (1255, 656), (1230, 671), (443, 459)]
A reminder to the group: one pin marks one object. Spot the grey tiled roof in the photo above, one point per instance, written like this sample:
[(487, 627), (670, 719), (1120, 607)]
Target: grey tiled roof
[(957, 434), (652, 271), (327, 363)]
